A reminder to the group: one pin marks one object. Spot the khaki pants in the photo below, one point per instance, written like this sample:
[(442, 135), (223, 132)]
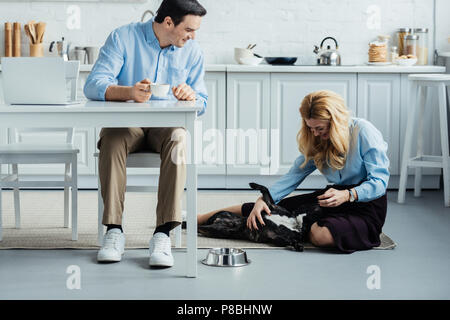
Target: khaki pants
[(116, 143)]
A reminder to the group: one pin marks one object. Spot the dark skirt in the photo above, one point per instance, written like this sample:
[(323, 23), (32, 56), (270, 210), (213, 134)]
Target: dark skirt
[(354, 226)]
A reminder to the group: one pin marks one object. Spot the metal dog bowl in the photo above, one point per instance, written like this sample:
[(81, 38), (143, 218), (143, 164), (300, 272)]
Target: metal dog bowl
[(226, 257)]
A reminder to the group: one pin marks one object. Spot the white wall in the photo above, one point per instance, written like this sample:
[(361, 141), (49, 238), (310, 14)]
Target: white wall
[(279, 27), (443, 25)]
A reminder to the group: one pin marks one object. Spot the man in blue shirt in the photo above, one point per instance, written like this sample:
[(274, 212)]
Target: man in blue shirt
[(161, 50)]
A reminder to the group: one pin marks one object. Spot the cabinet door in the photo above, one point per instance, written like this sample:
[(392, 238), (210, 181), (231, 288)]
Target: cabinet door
[(431, 136), (82, 140), (287, 92), (213, 125), (379, 103), (248, 124)]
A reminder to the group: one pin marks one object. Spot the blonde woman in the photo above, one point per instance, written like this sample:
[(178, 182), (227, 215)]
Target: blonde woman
[(351, 154)]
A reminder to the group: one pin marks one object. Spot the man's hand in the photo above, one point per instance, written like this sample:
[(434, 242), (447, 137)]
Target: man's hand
[(184, 92), (140, 92), (333, 198)]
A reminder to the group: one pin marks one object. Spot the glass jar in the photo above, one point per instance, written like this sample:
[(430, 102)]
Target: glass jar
[(401, 33), (411, 45), (394, 54), (422, 46)]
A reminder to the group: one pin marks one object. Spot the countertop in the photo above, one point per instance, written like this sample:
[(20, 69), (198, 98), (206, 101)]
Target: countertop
[(311, 68), (315, 69)]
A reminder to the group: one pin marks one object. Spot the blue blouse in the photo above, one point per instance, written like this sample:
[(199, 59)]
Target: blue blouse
[(366, 161)]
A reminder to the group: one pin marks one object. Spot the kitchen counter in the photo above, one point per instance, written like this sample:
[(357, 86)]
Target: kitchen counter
[(310, 69), (335, 69)]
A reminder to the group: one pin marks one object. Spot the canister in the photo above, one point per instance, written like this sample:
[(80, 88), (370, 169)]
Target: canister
[(422, 46), (401, 33), (411, 44)]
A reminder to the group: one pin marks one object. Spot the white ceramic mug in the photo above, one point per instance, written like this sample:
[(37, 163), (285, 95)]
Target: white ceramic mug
[(159, 90)]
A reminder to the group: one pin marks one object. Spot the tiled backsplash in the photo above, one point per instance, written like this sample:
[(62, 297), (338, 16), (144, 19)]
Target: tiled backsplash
[(278, 27)]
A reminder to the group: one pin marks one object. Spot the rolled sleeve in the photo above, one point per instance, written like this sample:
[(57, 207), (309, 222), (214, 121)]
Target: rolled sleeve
[(106, 68), (196, 80), (290, 181), (374, 154)]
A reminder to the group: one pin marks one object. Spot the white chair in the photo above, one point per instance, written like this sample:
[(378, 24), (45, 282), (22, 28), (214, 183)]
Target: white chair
[(135, 160), (420, 83), (19, 152)]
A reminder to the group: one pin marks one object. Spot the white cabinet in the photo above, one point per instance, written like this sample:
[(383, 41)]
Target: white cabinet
[(379, 103), (3, 140), (287, 93), (248, 123), (213, 123)]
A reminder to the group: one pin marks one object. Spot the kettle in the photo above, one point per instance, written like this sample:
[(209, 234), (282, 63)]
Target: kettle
[(62, 47), (329, 56)]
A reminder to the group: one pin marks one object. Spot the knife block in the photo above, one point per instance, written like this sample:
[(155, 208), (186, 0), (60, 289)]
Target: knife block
[(36, 50)]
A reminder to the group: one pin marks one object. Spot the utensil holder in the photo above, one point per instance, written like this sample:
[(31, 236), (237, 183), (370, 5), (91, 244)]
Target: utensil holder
[(36, 50)]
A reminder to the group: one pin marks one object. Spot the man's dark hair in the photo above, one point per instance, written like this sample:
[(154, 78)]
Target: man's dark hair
[(177, 9)]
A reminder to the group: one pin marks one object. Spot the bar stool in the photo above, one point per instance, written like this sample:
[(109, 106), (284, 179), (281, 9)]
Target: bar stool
[(420, 82)]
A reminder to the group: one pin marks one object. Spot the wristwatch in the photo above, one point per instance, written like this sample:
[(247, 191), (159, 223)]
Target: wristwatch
[(352, 197)]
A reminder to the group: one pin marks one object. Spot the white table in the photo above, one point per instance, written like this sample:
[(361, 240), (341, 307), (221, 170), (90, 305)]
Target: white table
[(155, 113)]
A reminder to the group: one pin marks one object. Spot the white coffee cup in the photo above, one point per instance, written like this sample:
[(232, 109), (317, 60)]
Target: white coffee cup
[(159, 90)]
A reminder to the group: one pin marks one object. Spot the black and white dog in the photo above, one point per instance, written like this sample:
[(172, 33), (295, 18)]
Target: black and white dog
[(282, 228)]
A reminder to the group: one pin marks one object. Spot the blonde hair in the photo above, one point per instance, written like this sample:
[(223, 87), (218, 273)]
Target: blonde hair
[(325, 105)]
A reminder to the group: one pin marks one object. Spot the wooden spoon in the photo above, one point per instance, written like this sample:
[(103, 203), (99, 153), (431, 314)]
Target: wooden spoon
[(32, 32), (27, 31), (40, 29)]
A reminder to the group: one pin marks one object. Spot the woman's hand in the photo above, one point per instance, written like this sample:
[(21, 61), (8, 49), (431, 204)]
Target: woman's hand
[(184, 92), (140, 92), (333, 198), (259, 206)]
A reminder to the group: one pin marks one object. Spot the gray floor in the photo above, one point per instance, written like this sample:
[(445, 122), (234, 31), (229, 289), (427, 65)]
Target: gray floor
[(419, 268)]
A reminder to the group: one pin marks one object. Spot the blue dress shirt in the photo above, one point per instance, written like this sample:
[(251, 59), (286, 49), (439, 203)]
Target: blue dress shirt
[(132, 53), (366, 161)]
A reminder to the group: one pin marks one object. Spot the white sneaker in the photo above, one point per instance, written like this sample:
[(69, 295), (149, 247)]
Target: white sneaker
[(160, 251), (113, 246)]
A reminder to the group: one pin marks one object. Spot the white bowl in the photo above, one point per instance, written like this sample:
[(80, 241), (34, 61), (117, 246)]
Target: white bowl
[(406, 62), (240, 53), (159, 90), (251, 61)]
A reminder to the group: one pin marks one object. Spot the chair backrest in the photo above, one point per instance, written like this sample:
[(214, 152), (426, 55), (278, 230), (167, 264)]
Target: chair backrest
[(17, 133)]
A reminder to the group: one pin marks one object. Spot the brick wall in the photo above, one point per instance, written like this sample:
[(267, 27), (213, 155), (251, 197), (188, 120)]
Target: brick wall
[(279, 27)]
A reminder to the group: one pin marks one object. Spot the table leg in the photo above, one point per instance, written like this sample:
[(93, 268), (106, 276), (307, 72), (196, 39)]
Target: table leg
[(191, 201)]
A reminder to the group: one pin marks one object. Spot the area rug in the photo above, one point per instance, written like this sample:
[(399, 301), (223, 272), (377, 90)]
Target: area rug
[(42, 219)]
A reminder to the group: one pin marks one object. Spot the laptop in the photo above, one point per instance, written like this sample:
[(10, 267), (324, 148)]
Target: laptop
[(40, 81)]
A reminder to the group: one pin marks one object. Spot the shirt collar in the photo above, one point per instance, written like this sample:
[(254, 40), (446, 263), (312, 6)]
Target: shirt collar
[(150, 36)]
